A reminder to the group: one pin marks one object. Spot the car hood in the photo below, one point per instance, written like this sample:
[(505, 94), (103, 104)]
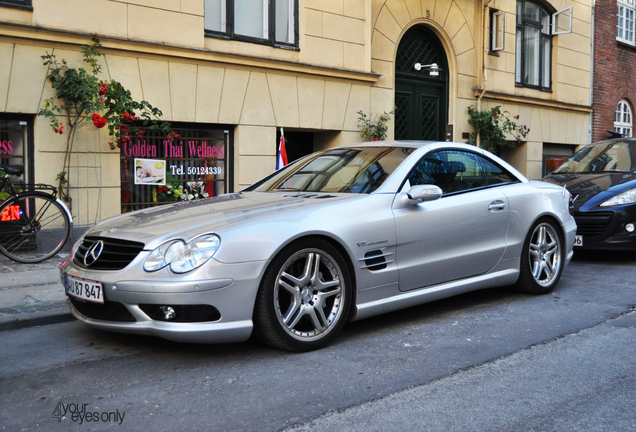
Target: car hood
[(189, 219), (591, 190)]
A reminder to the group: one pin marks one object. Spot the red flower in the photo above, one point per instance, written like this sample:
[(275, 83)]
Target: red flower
[(59, 129), (128, 117), (374, 139), (99, 121), (102, 89), (101, 102)]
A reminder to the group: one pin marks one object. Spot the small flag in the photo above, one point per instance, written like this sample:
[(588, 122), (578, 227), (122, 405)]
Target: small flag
[(281, 155)]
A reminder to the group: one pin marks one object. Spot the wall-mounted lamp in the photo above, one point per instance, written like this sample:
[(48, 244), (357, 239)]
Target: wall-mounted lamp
[(433, 69)]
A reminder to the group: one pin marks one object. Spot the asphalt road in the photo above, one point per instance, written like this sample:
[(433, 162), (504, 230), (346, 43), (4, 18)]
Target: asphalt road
[(486, 361)]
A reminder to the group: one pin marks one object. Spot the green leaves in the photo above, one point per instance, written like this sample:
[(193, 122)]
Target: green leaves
[(493, 126), (373, 130), (80, 95)]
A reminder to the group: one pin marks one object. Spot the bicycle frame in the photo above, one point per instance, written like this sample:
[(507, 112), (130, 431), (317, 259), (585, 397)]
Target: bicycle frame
[(30, 189)]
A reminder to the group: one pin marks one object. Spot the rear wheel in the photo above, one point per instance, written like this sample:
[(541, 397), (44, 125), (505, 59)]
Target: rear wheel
[(304, 297), (33, 227), (541, 258)]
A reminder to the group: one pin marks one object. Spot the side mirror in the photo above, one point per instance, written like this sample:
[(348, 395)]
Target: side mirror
[(424, 193)]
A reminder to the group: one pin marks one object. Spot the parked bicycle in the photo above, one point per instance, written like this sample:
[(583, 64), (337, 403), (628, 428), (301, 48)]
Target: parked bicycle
[(34, 223)]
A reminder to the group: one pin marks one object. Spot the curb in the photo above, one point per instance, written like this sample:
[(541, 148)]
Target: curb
[(17, 324), (30, 278)]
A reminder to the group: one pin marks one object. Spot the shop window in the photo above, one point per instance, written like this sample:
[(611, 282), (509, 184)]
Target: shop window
[(15, 142), (535, 28), (625, 21), (623, 119), (272, 22), (156, 171), (17, 4)]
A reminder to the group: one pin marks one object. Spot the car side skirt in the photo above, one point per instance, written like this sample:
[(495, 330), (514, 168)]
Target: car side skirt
[(503, 277)]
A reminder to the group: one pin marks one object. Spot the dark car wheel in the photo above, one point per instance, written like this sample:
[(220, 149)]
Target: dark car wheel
[(304, 297), (541, 258)]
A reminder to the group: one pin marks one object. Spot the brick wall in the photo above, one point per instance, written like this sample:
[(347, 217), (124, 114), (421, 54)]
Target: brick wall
[(614, 70)]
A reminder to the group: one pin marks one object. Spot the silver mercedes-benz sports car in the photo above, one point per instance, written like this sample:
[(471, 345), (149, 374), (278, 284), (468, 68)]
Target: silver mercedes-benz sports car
[(343, 234)]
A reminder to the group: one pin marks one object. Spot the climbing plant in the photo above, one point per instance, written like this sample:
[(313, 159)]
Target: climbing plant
[(80, 95)]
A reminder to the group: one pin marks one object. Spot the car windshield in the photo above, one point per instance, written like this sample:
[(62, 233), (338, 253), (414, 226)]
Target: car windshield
[(348, 170), (609, 156)]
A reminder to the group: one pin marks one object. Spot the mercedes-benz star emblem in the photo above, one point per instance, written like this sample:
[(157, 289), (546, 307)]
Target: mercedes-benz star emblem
[(93, 253)]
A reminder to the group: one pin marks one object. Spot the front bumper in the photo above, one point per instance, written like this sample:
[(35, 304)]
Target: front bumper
[(605, 229), (128, 294)]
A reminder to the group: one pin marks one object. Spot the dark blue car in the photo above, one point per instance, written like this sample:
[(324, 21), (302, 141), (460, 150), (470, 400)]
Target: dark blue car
[(602, 180)]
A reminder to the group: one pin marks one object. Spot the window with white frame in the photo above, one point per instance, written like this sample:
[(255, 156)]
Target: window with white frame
[(497, 30), (261, 21), (623, 120), (625, 21)]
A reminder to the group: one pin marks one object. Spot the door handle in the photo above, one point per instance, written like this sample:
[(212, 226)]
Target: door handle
[(496, 206)]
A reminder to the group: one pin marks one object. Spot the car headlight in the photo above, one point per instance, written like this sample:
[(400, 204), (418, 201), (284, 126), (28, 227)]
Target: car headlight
[(627, 197), (182, 257), (161, 256)]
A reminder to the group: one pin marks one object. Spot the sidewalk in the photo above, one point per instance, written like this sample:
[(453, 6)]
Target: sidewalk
[(32, 294)]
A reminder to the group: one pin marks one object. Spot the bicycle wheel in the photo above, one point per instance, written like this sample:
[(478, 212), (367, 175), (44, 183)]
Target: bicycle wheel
[(33, 227)]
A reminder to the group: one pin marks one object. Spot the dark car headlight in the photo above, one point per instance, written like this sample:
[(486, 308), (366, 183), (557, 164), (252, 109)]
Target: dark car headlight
[(627, 197), (182, 257)]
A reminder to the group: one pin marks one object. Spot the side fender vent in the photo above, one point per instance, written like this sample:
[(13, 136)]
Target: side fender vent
[(376, 259)]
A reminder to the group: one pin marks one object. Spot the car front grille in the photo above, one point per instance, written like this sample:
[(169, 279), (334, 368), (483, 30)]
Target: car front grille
[(109, 311), (115, 254), (592, 224)]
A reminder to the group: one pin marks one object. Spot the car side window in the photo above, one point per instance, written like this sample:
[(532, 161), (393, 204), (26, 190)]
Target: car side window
[(494, 174), (457, 171)]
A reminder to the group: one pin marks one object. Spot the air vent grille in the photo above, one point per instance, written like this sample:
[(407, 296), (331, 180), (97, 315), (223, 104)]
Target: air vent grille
[(376, 259)]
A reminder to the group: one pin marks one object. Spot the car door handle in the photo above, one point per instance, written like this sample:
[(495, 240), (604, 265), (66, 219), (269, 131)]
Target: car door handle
[(496, 206)]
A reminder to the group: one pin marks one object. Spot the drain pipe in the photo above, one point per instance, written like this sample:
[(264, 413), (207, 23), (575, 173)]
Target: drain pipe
[(590, 137), (484, 70)]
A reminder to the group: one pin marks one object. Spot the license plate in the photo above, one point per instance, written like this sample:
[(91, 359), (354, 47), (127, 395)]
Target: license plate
[(84, 289), (578, 240)]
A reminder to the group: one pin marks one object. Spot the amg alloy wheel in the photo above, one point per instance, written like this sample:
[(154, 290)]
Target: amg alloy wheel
[(541, 258), (304, 298)]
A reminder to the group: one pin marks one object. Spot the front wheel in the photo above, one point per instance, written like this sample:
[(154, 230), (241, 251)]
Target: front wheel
[(33, 227), (304, 297), (541, 258)]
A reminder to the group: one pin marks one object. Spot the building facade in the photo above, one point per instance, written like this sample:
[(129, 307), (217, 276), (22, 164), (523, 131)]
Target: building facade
[(230, 74), (614, 68)]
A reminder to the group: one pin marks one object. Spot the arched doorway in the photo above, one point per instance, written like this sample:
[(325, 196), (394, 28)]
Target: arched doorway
[(421, 100)]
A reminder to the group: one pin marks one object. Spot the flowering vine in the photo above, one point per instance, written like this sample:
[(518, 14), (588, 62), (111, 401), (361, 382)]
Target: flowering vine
[(80, 96), (493, 127)]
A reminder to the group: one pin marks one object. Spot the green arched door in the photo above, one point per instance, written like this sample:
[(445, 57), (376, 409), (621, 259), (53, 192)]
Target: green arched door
[(421, 100)]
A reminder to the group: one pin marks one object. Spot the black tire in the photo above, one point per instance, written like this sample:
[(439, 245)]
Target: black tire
[(542, 258), (33, 227), (304, 297)]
